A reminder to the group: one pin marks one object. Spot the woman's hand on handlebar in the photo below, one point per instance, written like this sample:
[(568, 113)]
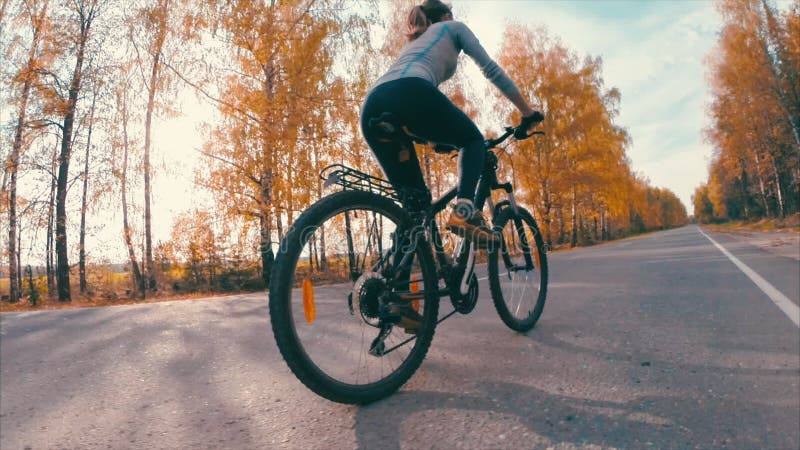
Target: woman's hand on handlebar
[(528, 122)]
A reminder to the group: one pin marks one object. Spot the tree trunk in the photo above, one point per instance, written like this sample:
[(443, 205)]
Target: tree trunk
[(50, 255), (603, 219), (547, 206), (778, 190), (761, 184), (574, 236), (323, 257), (266, 249), (14, 275), (82, 245), (745, 192), (279, 225), (313, 253), (33, 294), (138, 279), (427, 158), (62, 249), (265, 222), (151, 95), (19, 261), (351, 253)]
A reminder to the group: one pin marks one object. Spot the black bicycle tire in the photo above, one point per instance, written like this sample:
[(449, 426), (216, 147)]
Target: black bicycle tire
[(494, 275), (280, 302)]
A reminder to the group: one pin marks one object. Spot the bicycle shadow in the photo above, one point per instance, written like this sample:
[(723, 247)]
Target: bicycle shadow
[(504, 413), (509, 415)]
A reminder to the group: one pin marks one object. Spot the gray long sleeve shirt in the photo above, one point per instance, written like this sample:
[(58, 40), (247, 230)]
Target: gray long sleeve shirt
[(434, 56)]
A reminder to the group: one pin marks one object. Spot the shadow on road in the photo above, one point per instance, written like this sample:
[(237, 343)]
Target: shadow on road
[(549, 420), (497, 413)]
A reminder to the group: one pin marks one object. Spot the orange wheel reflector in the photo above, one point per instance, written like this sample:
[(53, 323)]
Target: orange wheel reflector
[(308, 301), (536, 258), (414, 287)]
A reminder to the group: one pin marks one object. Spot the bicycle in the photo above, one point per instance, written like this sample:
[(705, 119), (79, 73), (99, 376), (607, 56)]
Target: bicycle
[(339, 328)]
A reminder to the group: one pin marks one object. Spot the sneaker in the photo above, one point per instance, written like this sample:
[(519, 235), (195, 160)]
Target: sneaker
[(468, 223), (410, 320)]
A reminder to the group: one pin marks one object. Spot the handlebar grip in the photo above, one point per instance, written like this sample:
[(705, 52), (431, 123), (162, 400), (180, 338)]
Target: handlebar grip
[(521, 132)]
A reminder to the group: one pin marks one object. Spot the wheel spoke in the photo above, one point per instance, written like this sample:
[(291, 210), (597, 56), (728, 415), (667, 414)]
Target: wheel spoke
[(519, 291), (351, 300)]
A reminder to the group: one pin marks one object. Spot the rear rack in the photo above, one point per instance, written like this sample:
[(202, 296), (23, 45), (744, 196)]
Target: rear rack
[(355, 180)]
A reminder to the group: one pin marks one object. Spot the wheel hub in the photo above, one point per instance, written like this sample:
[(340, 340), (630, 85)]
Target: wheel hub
[(366, 294)]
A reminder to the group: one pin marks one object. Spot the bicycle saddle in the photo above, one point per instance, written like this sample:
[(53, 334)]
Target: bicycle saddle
[(390, 128)]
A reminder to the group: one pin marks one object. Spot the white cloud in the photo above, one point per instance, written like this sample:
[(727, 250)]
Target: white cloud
[(654, 53)]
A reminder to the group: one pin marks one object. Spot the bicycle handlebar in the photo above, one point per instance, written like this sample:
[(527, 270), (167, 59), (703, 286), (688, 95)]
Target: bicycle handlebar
[(519, 132)]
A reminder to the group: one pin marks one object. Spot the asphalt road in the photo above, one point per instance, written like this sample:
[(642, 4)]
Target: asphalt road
[(654, 342)]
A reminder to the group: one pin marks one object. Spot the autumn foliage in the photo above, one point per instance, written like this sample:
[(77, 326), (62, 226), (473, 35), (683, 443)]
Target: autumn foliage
[(755, 77), (286, 80)]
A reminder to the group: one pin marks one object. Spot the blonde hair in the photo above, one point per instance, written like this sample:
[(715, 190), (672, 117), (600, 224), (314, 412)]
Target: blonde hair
[(422, 16)]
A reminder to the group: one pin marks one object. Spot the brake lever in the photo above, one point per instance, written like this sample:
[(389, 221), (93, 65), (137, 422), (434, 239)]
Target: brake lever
[(541, 133)]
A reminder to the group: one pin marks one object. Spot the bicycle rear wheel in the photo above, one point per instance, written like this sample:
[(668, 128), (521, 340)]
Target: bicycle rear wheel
[(333, 295), (518, 270)]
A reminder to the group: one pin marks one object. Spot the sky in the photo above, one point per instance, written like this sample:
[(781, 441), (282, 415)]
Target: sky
[(654, 52)]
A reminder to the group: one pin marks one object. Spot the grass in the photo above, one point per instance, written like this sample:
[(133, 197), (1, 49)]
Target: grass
[(79, 301), (787, 224)]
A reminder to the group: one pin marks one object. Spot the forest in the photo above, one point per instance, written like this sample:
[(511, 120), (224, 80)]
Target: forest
[(754, 74), (85, 82)]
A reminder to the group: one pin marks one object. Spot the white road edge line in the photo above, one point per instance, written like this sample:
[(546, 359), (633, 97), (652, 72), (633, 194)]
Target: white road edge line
[(777, 297)]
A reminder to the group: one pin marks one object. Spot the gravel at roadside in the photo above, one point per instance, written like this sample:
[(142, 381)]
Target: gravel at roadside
[(783, 243)]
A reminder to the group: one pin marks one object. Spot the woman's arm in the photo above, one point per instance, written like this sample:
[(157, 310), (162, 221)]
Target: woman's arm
[(491, 70)]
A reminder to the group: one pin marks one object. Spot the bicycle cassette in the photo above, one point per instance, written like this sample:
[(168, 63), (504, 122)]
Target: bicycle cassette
[(365, 296)]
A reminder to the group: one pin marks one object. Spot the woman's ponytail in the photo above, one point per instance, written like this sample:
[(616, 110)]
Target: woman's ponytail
[(417, 23), (422, 16)]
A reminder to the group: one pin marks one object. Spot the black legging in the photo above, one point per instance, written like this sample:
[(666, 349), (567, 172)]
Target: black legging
[(429, 114)]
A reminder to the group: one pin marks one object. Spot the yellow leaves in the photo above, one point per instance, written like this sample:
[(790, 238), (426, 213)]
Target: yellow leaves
[(754, 111), (284, 106), (580, 165)]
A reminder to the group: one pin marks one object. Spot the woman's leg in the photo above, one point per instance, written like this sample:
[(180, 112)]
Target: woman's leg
[(430, 115), (397, 159)]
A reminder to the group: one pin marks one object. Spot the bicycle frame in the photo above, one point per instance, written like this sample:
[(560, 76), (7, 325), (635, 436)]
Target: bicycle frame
[(424, 221), (465, 255)]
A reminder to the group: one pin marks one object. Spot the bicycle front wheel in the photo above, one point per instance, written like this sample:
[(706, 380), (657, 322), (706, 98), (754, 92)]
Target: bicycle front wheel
[(518, 270), (339, 316)]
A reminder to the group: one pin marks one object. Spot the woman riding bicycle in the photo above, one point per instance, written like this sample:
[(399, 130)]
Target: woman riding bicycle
[(409, 92)]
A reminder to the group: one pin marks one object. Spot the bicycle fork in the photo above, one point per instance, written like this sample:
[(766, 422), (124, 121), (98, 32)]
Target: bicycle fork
[(469, 267)]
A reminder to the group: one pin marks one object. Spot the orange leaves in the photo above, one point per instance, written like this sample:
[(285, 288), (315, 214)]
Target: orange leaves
[(286, 111), (579, 168), (755, 113)]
